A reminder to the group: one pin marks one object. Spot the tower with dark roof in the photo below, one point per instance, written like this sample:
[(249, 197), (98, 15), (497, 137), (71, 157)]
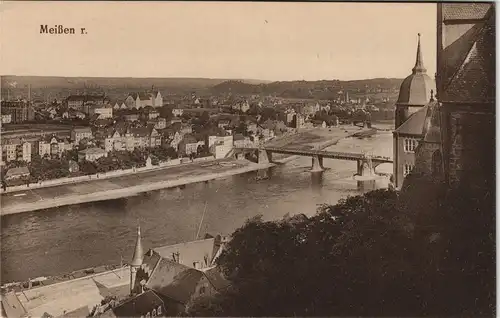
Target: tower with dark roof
[(415, 91), (136, 261)]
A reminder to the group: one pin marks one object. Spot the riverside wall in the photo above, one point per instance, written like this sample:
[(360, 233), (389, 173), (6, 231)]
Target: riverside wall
[(127, 191), (99, 176)]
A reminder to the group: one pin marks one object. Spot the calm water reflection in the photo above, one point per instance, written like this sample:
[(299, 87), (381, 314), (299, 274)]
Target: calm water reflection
[(63, 239)]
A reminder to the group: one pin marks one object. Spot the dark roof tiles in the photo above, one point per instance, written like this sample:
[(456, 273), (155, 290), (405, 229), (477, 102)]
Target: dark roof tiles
[(465, 11), (139, 305), (414, 124)]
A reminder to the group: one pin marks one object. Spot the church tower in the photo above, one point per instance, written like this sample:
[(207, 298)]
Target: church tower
[(415, 91), (136, 262)]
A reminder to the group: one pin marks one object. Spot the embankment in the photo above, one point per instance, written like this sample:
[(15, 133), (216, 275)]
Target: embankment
[(140, 187)]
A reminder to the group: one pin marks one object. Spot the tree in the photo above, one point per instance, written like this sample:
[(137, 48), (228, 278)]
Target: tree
[(88, 167), (368, 255), (205, 117), (268, 113), (166, 112)]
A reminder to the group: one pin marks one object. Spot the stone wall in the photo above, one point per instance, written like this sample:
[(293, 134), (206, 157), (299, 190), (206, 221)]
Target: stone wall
[(472, 149)]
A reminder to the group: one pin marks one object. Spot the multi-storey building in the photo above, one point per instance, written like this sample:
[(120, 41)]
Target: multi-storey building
[(16, 150), (415, 93), (143, 99), (82, 102), (125, 138), (19, 111), (53, 146), (80, 133), (104, 111)]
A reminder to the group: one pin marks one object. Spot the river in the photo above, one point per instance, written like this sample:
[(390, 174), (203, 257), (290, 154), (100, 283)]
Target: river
[(60, 240)]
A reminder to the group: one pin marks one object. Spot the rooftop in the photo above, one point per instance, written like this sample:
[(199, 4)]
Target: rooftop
[(94, 150), (139, 305), (414, 124), (190, 252), (19, 171), (67, 296)]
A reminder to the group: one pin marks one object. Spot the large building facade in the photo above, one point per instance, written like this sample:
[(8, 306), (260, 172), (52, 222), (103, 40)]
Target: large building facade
[(466, 92), (458, 145)]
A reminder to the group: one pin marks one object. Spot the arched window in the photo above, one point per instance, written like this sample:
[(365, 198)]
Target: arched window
[(410, 144), (437, 163), (407, 169), (159, 310), (154, 313), (148, 315)]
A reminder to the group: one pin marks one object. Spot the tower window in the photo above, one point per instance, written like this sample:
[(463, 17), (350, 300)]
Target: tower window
[(407, 169), (410, 144)]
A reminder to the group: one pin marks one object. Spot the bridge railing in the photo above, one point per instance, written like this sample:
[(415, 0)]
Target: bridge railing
[(360, 155)]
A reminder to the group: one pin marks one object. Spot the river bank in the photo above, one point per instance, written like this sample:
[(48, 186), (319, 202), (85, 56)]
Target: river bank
[(175, 176), (45, 198)]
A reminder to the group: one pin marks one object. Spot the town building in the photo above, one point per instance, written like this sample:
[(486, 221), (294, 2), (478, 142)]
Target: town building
[(122, 138), (144, 99), (158, 123), (6, 118), (53, 146), (189, 145), (177, 112), (80, 133), (19, 111), (15, 149), (81, 102), (414, 94), (178, 274), (131, 117), (104, 111), (241, 141), (220, 146), (148, 304), (91, 154)]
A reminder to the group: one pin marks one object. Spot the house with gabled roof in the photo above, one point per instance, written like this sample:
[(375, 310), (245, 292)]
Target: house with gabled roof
[(143, 99), (179, 274)]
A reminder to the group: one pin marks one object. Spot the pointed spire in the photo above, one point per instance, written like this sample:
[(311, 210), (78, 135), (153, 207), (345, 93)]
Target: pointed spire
[(419, 63), (138, 252)]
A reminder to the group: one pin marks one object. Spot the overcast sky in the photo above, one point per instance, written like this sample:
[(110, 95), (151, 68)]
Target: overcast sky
[(269, 41)]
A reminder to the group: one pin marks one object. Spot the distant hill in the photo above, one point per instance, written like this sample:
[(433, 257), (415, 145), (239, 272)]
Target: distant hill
[(326, 89), (112, 82), (50, 87)]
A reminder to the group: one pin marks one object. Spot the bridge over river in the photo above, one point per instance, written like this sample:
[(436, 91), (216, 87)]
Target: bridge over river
[(366, 164)]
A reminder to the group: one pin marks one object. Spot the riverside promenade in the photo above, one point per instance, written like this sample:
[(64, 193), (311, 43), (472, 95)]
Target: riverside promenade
[(123, 186)]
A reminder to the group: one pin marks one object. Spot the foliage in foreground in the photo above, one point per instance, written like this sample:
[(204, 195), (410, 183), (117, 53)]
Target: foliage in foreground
[(367, 255)]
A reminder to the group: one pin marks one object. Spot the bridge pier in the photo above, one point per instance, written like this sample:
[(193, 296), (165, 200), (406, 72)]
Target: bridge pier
[(365, 168), (366, 175), (317, 164), (264, 156)]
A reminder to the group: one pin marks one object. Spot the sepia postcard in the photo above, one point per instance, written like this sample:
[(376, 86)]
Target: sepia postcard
[(247, 159)]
